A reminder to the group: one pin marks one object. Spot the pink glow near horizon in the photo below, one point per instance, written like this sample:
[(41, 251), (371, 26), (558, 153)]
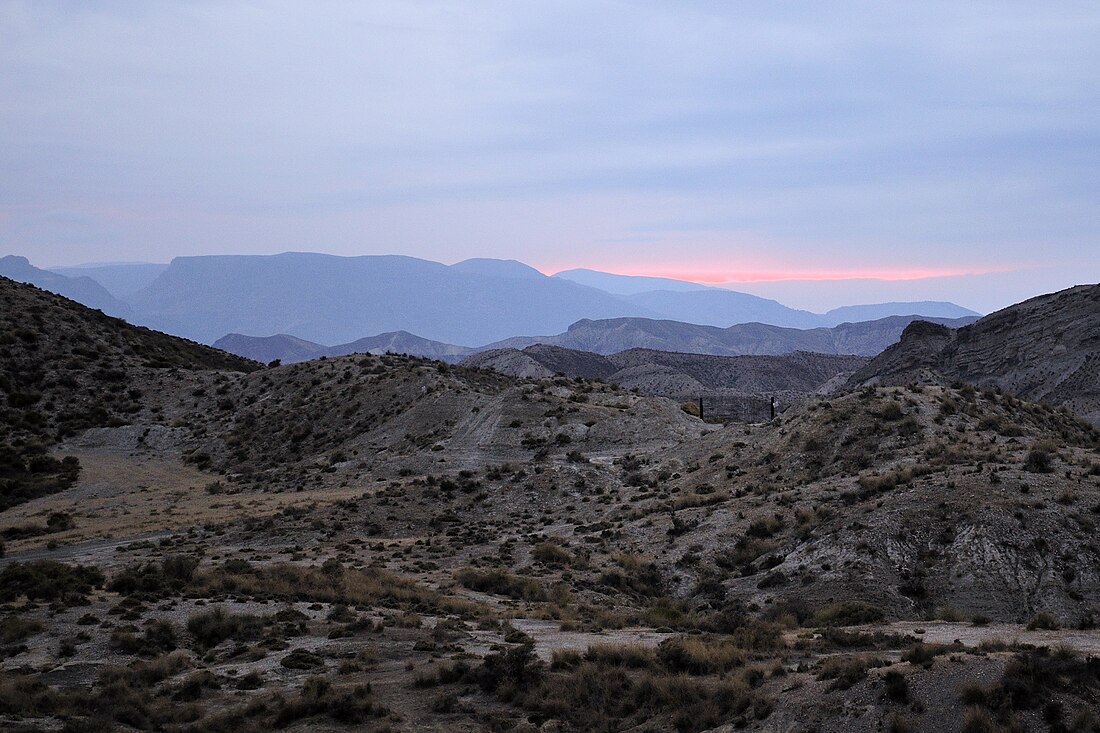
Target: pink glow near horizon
[(717, 275)]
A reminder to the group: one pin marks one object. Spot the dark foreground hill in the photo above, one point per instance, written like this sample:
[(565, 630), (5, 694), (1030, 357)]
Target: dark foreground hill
[(1044, 349), (65, 368)]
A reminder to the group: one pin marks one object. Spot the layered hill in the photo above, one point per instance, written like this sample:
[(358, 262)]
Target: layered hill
[(290, 349), (609, 336), (674, 374), (606, 337), (1044, 349), (68, 373)]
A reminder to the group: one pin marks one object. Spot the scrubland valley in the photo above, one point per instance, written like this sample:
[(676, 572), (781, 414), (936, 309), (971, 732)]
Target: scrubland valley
[(197, 542)]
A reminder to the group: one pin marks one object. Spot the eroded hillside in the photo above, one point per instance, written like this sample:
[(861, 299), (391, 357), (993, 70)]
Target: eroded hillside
[(65, 368), (1044, 349)]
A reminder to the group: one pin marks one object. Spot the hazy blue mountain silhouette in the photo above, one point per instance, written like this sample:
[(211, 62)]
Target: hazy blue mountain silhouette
[(627, 284), (121, 279), (327, 299), (331, 299), (610, 336), (927, 308), (289, 349), (83, 290)]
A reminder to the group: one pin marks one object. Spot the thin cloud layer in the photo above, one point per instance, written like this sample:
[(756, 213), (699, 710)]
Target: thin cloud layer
[(875, 137)]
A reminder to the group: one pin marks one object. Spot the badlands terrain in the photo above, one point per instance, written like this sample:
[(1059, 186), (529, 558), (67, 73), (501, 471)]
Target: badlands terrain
[(194, 541)]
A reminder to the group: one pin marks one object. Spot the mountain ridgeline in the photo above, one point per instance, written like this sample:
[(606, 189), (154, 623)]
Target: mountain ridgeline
[(866, 338), (332, 300), (609, 336), (290, 349)]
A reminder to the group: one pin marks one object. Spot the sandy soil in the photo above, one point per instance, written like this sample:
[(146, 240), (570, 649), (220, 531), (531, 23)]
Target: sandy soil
[(140, 496)]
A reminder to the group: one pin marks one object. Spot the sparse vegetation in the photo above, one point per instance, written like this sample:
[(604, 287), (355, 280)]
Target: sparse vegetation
[(446, 529)]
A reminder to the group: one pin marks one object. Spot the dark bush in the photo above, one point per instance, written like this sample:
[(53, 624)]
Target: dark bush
[(848, 613), (1038, 461), (171, 575), (897, 687), (212, 627), (159, 637), (48, 580), (500, 582)]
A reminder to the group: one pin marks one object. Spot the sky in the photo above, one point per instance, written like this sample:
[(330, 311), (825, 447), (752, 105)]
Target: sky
[(826, 151)]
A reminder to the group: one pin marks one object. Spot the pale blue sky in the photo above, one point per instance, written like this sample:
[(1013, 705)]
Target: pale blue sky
[(727, 140)]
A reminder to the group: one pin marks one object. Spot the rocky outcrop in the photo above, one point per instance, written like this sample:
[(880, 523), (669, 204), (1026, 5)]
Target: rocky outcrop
[(1043, 349)]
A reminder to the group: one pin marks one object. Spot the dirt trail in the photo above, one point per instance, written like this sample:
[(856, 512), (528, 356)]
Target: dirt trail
[(947, 632), (136, 495), (549, 637)]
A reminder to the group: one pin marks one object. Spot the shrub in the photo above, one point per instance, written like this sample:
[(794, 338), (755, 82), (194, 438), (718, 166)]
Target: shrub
[(212, 627), (897, 687), (891, 411), (551, 554), (638, 575), (978, 720), (509, 671), (370, 586), (700, 655), (159, 637), (302, 659), (764, 528), (1038, 461), (634, 656), (973, 693), (846, 671), (924, 654), (848, 613), (48, 580), (170, 575), (501, 583), (1043, 620), (14, 628), (591, 695)]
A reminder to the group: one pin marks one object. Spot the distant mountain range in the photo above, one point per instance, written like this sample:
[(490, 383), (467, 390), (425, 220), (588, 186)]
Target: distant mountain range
[(326, 299), (290, 349), (609, 337), (121, 279), (82, 289)]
